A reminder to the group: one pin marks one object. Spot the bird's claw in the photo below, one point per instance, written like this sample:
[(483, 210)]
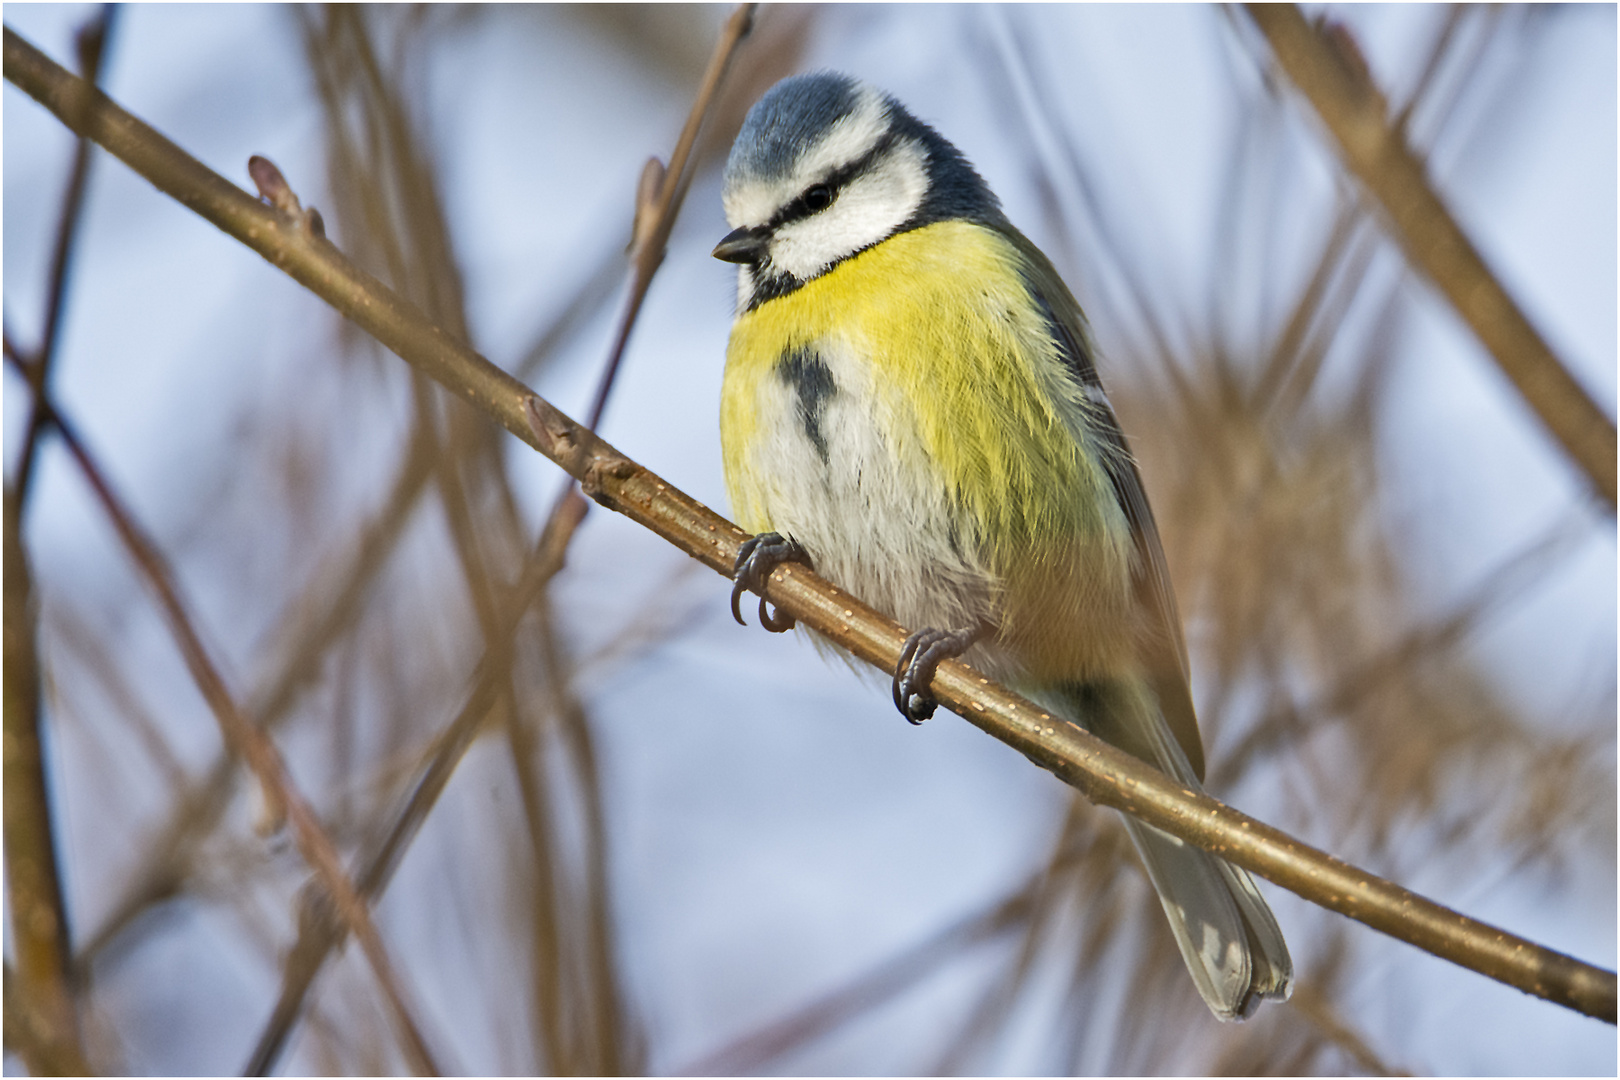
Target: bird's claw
[(757, 557), (920, 657)]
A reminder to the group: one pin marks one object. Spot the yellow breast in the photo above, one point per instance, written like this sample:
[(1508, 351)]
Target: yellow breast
[(948, 382), (943, 319)]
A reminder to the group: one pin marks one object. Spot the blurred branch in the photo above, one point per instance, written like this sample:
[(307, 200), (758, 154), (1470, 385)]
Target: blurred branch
[(1316, 1008), (27, 1036), (658, 201), (261, 755), (1325, 65), (318, 931), (43, 1004), (611, 1041), (1105, 775), (856, 999), (329, 604), (92, 46), (1359, 679)]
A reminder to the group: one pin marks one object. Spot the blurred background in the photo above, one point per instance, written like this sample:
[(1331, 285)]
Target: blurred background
[(679, 845)]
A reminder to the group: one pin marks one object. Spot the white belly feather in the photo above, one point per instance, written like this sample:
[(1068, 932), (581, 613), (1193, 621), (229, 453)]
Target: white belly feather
[(839, 467)]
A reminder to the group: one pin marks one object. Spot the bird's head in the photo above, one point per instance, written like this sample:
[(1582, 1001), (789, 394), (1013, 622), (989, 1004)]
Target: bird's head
[(825, 167)]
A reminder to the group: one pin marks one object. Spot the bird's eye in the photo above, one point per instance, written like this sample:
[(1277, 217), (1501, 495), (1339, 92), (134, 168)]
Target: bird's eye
[(818, 198)]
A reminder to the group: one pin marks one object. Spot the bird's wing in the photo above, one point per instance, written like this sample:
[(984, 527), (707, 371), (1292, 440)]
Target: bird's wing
[(1165, 653)]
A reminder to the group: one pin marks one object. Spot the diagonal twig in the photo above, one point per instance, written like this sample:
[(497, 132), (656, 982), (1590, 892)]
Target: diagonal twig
[(1327, 68), (1106, 776), (319, 933), (92, 45), (881, 983), (45, 1002), (658, 201), (659, 198), (329, 605), (261, 755)]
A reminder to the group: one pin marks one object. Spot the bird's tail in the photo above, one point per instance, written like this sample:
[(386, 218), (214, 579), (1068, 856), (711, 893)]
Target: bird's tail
[(1227, 934)]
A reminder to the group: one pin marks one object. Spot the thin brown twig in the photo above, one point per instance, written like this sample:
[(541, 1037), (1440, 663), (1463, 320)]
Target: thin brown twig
[(657, 204), (261, 755), (319, 933), (27, 1036), (45, 1002), (102, 669), (328, 606), (658, 201), (319, 616), (1105, 775), (613, 1045), (875, 986), (1356, 254), (1083, 867), (1311, 1004), (92, 46), (1360, 679), (1326, 67), (558, 1049)]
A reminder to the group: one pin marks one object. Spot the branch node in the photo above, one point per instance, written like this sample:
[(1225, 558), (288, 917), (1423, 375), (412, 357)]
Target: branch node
[(555, 434), (269, 812), (649, 194), (600, 471)]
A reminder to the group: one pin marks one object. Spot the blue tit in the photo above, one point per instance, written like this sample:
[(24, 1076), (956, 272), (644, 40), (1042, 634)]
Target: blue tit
[(911, 405)]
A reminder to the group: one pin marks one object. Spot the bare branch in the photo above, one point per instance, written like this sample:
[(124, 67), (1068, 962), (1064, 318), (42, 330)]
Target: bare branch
[(44, 1003), (328, 606), (658, 201), (884, 981), (92, 46), (318, 932), (280, 793), (1105, 775), (45, 1000), (1327, 68)]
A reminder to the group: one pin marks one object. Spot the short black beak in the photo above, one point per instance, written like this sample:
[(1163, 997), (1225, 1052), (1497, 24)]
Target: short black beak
[(741, 246)]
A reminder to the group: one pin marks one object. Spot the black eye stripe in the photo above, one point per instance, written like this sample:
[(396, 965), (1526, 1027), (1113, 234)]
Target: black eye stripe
[(835, 181)]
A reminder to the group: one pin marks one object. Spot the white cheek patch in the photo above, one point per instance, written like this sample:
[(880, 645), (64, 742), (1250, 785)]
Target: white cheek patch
[(867, 210), (753, 202)]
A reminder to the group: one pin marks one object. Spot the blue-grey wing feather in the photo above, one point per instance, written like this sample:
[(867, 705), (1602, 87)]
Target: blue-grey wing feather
[(1167, 653)]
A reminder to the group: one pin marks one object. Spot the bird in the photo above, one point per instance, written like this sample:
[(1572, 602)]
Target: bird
[(911, 408)]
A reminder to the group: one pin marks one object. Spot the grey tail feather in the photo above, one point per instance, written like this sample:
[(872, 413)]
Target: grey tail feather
[(1227, 935)]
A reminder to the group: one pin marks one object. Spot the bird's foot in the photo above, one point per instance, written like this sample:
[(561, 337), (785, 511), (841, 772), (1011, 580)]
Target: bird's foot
[(757, 557), (924, 651)]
